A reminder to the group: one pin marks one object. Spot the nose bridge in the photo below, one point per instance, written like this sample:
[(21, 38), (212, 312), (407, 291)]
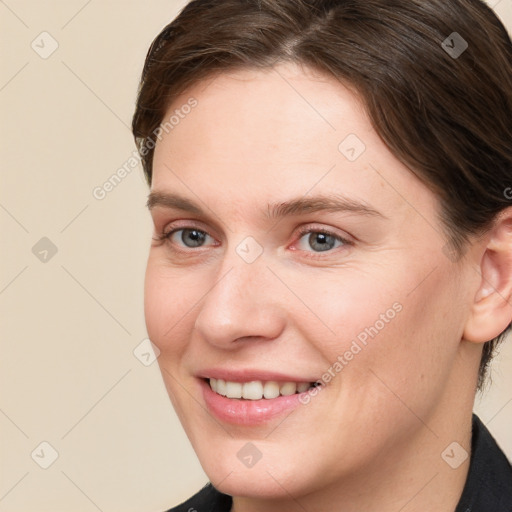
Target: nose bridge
[(239, 302)]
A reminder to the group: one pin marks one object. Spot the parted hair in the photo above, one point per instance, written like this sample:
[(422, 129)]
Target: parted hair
[(435, 78)]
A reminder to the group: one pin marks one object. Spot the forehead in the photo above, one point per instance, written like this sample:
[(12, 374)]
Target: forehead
[(289, 108), (284, 130)]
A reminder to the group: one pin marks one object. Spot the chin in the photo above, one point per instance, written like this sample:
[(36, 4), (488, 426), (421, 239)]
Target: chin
[(271, 477), (248, 484)]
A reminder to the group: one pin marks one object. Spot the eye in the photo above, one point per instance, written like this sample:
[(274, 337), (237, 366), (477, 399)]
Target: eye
[(187, 237), (320, 240)]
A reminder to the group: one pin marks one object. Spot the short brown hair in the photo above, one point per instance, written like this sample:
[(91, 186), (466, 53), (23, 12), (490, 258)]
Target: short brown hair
[(447, 115)]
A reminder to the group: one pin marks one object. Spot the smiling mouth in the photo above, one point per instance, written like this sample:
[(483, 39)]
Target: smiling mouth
[(257, 389)]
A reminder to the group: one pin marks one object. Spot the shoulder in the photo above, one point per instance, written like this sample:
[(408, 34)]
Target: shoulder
[(208, 499), (489, 483)]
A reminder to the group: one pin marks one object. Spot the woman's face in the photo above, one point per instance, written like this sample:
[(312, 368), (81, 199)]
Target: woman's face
[(299, 249)]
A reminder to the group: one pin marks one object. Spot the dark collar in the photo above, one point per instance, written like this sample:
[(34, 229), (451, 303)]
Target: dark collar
[(488, 486)]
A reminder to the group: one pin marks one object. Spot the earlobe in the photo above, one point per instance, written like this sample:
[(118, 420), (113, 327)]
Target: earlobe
[(491, 311)]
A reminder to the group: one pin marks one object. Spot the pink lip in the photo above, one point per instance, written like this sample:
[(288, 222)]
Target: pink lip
[(246, 412)]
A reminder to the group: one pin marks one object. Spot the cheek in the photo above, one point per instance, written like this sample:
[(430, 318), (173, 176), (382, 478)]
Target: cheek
[(389, 324), (409, 359), (346, 307), (169, 298), (168, 302)]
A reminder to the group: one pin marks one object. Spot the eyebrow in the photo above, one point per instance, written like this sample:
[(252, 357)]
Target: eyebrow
[(332, 203)]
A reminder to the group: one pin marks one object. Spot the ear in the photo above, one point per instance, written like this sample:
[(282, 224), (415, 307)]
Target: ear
[(491, 310)]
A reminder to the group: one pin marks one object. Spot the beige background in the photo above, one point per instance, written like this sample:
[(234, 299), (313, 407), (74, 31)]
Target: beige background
[(70, 324)]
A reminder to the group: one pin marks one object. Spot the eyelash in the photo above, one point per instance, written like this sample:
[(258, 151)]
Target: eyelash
[(165, 237)]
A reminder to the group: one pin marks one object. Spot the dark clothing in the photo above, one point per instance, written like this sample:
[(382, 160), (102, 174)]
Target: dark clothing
[(488, 486), (208, 499)]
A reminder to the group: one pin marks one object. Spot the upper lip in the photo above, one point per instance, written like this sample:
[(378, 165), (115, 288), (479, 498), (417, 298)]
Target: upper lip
[(249, 374)]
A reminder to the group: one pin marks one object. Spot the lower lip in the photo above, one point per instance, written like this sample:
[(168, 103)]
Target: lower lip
[(247, 412)]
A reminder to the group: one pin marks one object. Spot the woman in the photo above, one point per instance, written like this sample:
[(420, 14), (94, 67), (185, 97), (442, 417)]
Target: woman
[(331, 267)]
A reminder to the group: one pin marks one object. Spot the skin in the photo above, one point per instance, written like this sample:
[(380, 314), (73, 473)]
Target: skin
[(372, 439)]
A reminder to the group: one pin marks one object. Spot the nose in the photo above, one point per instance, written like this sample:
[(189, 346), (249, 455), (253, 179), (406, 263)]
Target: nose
[(243, 303)]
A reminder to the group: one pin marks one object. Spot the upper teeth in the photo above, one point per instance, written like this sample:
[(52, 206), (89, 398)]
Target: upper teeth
[(256, 390)]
